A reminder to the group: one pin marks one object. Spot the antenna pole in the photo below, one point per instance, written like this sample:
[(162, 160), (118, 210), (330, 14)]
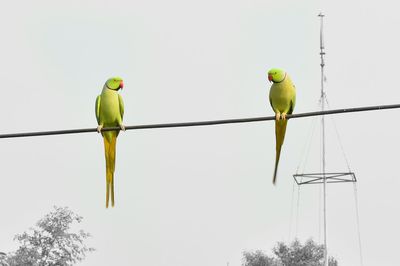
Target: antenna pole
[(322, 99)]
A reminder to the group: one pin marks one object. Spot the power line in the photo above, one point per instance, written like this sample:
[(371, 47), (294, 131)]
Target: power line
[(358, 223), (200, 123)]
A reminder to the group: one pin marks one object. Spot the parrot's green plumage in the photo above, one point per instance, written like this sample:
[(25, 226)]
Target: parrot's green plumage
[(109, 113), (282, 97)]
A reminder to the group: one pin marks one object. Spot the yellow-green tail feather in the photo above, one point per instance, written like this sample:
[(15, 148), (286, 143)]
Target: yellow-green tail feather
[(110, 141), (280, 130)]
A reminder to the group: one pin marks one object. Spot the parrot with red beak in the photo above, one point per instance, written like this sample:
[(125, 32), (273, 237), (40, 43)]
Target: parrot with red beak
[(109, 113), (282, 97)]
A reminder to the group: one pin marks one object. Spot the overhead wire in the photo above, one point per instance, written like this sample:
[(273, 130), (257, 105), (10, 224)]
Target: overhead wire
[(354, 189), (302, 164), (200, 123), (307, 147), (297, 211), (339, 140), (291, 212), (358, 224)]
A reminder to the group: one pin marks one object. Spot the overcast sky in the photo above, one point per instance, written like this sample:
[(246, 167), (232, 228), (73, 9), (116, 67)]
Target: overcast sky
[(200, 196)]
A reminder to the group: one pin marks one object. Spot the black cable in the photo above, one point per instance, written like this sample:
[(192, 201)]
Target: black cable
[(201, 123)]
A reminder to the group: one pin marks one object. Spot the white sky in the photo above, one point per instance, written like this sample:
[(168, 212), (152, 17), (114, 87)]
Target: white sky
[(198, 196)]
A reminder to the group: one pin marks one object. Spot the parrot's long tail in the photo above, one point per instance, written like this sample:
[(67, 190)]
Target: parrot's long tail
[(110, 141), (280, 129)]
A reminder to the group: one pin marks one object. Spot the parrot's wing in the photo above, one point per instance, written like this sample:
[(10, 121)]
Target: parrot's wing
[(292, 104), (121, 106), (97, 109), (270, 102)]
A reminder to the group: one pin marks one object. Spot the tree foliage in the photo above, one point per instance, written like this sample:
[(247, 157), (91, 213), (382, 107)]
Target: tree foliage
[(258, 258), (295, 254), (50, 242), (3, 259)]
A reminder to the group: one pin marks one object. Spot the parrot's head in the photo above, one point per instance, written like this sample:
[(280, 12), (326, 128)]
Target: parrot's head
[(115, 83), (276, 75)]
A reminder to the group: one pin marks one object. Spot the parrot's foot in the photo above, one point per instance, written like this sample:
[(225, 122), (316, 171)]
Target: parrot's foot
[(277, 116), (122, 127), (283, 116), (99, 128)]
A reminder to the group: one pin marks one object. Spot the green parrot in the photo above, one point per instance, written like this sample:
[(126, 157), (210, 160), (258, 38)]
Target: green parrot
[(282, 97), (109, 113)]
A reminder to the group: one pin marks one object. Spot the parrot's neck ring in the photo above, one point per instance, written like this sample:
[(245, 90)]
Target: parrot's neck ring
[(282, 79), (109, 88)]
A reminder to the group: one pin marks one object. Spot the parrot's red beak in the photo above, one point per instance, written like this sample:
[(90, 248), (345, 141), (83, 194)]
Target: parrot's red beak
[(121, 84), (270, 78)]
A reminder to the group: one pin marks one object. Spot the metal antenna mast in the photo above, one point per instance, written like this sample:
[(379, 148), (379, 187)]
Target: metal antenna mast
[(324, 178), (322, 99)]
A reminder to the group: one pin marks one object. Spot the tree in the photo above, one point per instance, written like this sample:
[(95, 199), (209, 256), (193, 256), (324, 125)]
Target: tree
[(309, 254), (51, 243), (3, 259), (258, 258), (295, 254)]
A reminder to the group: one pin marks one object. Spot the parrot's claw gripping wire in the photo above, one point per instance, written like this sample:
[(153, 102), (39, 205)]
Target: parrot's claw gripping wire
[(99, 128)]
